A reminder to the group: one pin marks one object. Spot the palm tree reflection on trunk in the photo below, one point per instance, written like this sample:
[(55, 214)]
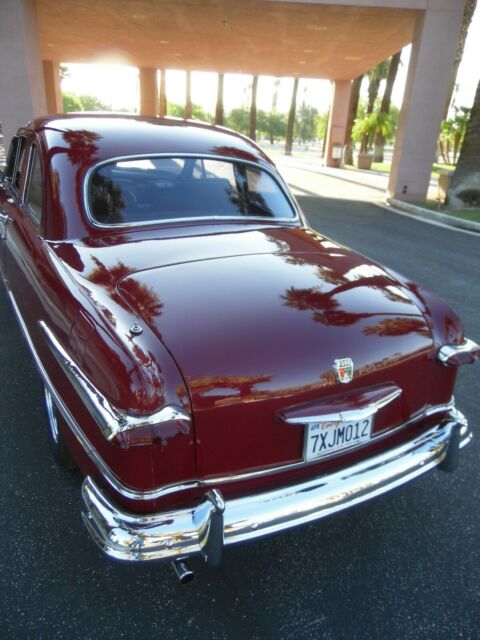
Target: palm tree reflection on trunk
[(146, 299)]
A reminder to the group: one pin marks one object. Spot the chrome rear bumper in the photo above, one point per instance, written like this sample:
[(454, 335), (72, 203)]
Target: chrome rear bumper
[(206, 528)]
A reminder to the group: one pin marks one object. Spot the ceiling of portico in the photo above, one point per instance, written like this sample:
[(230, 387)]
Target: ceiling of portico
[(247, 36)]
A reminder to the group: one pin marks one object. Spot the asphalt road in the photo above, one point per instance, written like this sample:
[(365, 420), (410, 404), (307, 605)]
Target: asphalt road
[(406, 565)]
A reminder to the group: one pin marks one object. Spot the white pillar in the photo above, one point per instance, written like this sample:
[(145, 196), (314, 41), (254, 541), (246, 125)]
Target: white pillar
[(53, 91), (433, 51), (22, 91), (337, 122), (148, 91)]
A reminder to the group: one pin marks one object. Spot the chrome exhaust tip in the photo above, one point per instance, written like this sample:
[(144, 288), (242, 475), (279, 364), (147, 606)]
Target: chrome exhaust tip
[(183, 573)]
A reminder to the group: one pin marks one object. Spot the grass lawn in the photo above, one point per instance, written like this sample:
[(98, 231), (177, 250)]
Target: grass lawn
[(467, 214)]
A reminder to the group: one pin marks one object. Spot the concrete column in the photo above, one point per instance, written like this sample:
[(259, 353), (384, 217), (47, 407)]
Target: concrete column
[(22, 91), (162, 103), (337, 123), (188, 95), (148, 91), (53, 91), (433, 52)]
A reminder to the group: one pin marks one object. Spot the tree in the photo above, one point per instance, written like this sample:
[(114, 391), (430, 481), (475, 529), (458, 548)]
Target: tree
[(253, 110), (385, 106), (198, 113), (64, 71), (375, 76), (325, 133), (92, 103), (466, 20), (365, 129), (452, 134), (219, 106), (271, 124), (71, 102), (321, 125), (175, 110), (239, 120), (464, 190), (291, 120), (306, 123), (352, 114)]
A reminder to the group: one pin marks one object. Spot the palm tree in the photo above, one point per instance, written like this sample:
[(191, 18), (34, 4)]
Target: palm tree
[(162, 102), (291, 120), (375, 76), (466, 20), (385, 106), (464, 190), (352, 114), (219, 107), (188, 98), (253, 109)]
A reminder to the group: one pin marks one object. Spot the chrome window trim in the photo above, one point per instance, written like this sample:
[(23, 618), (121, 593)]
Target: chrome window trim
[(201, 156), (19, 191), (152, 494), (37, 220)]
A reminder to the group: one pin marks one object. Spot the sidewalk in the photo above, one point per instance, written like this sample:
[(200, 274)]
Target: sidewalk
[(307, 177), (350, 184)]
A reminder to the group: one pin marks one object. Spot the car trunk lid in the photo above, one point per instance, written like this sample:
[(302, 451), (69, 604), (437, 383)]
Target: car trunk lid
[(257, 335)]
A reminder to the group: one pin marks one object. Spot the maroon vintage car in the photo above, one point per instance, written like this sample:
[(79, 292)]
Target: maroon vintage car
[(217, 370)]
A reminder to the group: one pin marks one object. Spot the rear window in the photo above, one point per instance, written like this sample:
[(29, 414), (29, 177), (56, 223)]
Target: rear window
[(155, 189)]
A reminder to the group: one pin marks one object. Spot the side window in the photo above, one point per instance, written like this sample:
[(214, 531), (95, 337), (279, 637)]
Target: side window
[(11, 157), (21, 164), (34, 194)]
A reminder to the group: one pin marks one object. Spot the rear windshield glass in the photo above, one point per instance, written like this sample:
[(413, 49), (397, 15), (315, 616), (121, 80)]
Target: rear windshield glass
[(151, 189)]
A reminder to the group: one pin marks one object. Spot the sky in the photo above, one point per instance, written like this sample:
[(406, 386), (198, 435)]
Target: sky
[(118, 86)]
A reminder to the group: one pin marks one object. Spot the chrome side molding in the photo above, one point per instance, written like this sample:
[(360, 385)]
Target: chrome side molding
[(110, 419), (454, 355)]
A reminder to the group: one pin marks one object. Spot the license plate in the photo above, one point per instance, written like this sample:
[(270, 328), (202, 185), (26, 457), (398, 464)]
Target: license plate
[(325, 438)]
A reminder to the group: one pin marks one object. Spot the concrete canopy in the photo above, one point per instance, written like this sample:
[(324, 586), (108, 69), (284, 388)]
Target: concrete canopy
[(336, 39), (248, 36)]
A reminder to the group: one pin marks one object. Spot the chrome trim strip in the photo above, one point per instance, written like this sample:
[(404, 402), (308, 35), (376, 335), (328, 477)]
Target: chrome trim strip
[(111, 420), (351, 415), (143, 156), (449, 350), (166, 536)]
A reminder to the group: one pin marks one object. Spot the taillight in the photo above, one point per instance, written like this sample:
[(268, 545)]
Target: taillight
[(454, 355), (159, 427)]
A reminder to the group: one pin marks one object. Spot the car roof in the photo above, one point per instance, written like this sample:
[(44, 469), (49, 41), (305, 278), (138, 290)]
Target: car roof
[(106, 135)]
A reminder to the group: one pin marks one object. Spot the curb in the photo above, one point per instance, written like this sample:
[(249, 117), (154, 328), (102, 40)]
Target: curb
[(421, 212)]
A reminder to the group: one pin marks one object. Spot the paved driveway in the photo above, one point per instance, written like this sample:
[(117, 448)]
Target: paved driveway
[(406, 565)]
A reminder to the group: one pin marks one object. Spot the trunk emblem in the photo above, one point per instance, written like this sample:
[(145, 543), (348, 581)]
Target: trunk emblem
[(343, 369)]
